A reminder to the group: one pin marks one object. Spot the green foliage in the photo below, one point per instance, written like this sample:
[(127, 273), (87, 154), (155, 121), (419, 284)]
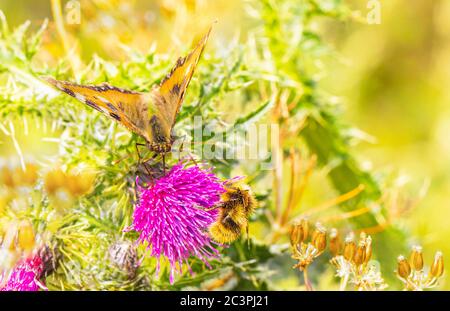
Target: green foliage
[(280, 56)]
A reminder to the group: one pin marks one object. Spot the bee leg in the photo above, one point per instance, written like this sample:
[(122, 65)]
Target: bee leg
[(210, 208), (216, 206), (138, 153), (120, 160), (192, 159)]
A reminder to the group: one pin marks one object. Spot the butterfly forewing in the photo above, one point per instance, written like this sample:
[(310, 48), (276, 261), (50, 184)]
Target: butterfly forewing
[(170, 93), (129, 108)]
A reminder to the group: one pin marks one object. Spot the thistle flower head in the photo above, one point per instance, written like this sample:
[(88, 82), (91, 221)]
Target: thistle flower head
[(25, 276), (172, 215)]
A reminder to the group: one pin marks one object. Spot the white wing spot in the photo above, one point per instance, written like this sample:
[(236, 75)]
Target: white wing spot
[(80, 97), (103, 110), (103, 99)]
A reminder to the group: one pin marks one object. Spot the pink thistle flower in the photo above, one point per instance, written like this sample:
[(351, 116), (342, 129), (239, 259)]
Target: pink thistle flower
[(171, 219), (25, 276)]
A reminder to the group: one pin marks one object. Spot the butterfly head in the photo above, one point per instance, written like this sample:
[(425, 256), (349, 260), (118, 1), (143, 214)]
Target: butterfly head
[(160, 147)]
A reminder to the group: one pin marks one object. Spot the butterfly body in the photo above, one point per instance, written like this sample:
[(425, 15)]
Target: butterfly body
[(151, 114)]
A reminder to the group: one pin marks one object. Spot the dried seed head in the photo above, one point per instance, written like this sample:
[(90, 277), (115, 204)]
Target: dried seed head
[(299, 231), (319, 238), (25, 236), (335, 242), (305, 228), (360, 255), (403, 267), (416, 259), (349, 247), (437, 268)]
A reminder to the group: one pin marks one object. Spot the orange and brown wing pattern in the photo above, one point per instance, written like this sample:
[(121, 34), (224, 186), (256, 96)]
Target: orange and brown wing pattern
[(169, 95), (129, 108)]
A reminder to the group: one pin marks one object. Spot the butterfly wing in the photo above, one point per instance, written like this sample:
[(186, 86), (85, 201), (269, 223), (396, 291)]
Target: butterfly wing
[(151, 115), (129, 108), (169, 96)]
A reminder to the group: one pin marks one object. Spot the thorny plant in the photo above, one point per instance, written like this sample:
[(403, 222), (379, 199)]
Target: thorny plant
[(353, 260)]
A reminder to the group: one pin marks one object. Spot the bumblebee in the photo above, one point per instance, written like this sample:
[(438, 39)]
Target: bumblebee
[(236, 205)]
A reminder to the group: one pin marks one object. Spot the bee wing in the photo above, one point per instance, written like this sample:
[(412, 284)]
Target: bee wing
[(170, 93), (129, 108)]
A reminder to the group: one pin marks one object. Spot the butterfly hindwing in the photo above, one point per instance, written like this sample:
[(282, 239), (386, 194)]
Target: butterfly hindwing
[(129, 108)]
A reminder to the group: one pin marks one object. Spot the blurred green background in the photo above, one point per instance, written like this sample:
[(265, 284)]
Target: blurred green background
[(392, 79)]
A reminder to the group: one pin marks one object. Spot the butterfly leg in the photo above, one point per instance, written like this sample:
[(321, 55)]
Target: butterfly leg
[(136, 193), (216, 206), (143, 163), (182, 143), (164, 163)]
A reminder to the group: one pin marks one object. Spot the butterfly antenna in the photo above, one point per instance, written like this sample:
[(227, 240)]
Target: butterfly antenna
[(180, 150), (182, 144)]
